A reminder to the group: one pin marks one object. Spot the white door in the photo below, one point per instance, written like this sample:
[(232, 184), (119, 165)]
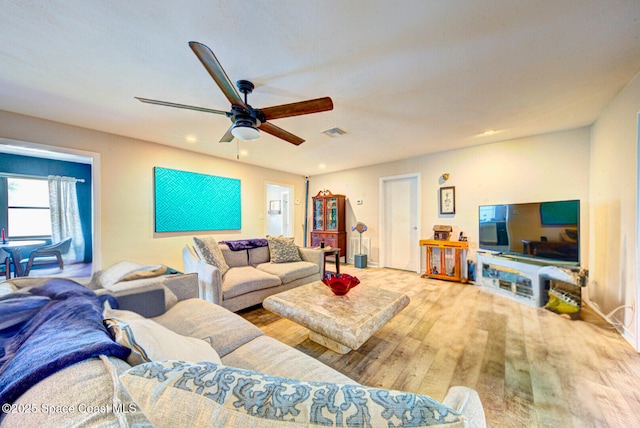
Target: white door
[(400, 222), (287, 228)]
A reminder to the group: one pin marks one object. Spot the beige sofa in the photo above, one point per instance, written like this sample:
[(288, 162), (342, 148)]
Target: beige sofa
[(251, 277), (261, 382)]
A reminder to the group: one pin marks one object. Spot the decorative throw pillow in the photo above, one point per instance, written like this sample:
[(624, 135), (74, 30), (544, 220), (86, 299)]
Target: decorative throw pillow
[(109, 312), (227, 396), (124, 271), (209, 251), (283, 250), (7, 288), (113, 274), (145, 272), (150, 341)]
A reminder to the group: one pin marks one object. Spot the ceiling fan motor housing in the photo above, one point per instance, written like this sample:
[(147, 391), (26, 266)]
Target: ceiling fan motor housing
[(246, 117)]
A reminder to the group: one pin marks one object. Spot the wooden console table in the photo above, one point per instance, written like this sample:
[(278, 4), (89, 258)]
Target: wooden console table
[(444, 259)]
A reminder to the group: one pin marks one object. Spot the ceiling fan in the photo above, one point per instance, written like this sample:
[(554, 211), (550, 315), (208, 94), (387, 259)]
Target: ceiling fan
[(246, 120)]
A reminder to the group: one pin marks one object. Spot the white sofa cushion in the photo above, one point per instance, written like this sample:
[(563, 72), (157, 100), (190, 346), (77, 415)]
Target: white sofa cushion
[(243, 280), (178, 393), (278, 359), (224, 330), (234, 258), (289, 272), (259, 255)]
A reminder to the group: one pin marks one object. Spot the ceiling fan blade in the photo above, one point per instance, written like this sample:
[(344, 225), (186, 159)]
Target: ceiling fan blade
[(228, 136), (184, 106), (297, 109), (211, 63), (280, 133)]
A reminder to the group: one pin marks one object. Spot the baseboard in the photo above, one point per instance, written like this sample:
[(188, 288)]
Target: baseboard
[(369, 263)]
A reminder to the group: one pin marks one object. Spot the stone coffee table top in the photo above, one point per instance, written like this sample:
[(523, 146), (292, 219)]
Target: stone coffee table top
[(341, 323)]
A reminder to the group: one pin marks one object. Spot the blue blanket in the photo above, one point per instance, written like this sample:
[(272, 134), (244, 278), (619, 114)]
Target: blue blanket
[(46, 330), (246, 244)]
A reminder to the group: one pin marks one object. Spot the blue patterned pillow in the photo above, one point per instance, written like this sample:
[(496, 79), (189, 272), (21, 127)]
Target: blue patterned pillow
[(209, 251), (283, 250), (210, 394)]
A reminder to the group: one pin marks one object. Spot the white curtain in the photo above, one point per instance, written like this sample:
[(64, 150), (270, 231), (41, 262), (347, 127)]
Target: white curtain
[(65, 216)]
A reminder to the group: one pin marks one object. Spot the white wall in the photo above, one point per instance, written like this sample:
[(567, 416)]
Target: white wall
[(540, 168), (545, 167), (613, 195), (126, 185)]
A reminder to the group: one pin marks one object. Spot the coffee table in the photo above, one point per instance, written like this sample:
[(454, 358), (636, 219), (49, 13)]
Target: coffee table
[(340, 323)]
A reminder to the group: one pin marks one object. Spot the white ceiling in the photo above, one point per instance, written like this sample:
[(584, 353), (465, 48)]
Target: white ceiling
[(407, 78)]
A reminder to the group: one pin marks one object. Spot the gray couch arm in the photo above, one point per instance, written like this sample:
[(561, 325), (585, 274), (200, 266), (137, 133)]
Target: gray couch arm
[(466, 401), (314, 256), (176, 287), (209, 276)]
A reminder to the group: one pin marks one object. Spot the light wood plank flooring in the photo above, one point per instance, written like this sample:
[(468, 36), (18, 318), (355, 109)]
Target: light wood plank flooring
[(69, 271), (530, 366)]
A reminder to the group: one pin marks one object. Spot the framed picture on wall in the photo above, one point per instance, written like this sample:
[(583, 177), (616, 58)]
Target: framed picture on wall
[(448, 200), (274, 207)]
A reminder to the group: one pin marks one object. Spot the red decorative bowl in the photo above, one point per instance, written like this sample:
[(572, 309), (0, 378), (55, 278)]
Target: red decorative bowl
[(340, 284)]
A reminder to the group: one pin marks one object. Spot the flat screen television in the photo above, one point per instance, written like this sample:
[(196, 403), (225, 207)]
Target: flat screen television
[(542, 230)]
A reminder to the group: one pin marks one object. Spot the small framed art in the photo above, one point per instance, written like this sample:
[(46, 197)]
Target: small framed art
[(448, 200), (274, 207)]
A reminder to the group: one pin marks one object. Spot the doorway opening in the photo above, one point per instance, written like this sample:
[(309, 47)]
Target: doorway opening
[(279, 210), (23, 159)]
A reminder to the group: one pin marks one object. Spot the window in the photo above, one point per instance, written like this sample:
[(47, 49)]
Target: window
[(28, 208)]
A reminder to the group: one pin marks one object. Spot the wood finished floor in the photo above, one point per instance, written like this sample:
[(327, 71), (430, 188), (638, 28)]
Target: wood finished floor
[(69, 271), (531, 367)]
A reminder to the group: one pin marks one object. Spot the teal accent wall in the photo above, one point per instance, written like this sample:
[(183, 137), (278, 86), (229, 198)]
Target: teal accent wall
[(189, 201)]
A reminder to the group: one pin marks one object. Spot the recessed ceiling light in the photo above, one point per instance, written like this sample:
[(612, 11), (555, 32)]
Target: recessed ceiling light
[(489, 132), (191, 139), (243, 153), (322, 166)]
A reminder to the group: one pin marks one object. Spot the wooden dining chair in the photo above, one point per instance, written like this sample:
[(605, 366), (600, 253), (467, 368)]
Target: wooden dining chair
[(5, 270)]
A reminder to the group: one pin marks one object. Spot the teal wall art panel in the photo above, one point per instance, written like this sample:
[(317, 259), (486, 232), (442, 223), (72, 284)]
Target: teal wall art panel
[(188, 201)]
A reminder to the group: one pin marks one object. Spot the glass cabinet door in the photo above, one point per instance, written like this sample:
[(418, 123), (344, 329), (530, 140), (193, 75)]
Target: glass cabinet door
[(434, 269), (332, 214), (449, 262), (318, 214)]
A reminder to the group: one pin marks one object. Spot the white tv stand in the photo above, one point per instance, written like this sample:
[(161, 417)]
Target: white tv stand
[(519, 278)]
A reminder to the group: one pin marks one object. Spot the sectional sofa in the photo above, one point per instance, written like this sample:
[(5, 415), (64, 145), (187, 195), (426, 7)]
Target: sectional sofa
[(242, 378)]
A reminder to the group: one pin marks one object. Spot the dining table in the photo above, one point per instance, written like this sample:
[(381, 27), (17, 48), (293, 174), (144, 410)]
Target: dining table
[(15, 247)]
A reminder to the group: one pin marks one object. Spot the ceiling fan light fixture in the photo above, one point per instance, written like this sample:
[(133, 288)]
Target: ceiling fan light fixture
[(244, 130)]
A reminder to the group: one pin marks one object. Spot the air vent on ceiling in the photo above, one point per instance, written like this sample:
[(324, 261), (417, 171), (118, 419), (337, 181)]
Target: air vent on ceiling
[(334, 132)]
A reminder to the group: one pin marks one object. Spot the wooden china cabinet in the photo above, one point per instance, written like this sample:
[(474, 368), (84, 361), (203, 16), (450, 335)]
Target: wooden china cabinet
[(329, 221)]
